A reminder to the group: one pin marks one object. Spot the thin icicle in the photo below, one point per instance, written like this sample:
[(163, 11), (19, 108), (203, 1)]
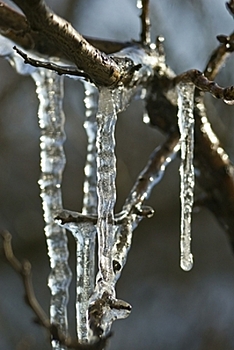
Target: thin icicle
[(51, 122), (85, 233), (186, 127), (106, 190), (90, 126)]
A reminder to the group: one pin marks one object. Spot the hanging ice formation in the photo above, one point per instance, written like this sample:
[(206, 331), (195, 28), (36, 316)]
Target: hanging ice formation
[(84, 231), (186, 127), (49, 88)]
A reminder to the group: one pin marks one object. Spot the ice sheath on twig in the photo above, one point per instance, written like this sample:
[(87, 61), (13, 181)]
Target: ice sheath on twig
[(187, 178), (49, 88)]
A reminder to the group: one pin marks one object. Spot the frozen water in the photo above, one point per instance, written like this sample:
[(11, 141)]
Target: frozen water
[(84, 234), (90, 169), (106, 191), (49, 88), (186, 127)]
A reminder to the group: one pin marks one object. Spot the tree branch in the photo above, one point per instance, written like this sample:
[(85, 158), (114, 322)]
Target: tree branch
[(201, 82), (52, 66)]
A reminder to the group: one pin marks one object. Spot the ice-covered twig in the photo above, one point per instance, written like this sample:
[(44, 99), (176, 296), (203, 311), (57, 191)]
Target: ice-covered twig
[(187, 177), (201, 82), (133, 208), (145, 21), (49, 88)]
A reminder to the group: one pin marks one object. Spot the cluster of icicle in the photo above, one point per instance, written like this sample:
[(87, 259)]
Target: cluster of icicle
[(96, 303)]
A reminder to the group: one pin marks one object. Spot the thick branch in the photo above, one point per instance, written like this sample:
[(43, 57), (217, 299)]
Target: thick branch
[(15, 27)]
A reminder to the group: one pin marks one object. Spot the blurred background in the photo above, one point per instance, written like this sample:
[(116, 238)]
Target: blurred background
[(172, 309)]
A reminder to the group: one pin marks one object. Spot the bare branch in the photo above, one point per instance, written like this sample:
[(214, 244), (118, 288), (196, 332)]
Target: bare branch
[(24, 269), (14, 26), (101, 68), (230, 7)]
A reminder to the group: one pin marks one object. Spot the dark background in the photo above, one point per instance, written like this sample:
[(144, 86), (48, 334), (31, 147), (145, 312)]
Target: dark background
[(172, 309)]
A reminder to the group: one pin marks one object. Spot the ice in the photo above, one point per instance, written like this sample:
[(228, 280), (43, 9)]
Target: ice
[(49, 88), (84, 234), (106, 191), (186, 127), (90, 126)]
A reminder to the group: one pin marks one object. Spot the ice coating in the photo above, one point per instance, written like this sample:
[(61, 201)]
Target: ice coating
[(49, 88), (186, 127)]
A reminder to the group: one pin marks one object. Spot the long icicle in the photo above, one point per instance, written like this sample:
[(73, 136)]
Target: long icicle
[(51, 121), (106, 190), (186, 127), (84, 230), (87, 231)]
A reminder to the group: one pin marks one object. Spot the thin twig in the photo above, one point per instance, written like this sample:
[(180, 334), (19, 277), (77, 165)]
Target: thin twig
[(52, 66), (230, 7), (145, 23), (24, 269), (219, 56)]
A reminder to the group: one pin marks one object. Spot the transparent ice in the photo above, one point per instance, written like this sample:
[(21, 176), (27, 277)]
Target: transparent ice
[(186, 127), (106, 191), (49, 88), (85, 232)]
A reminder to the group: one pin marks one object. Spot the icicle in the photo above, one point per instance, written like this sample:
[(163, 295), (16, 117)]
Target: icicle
[(90, 125), (186, 127), (85, 233), (84, 230), (51, 121), (106, 191)]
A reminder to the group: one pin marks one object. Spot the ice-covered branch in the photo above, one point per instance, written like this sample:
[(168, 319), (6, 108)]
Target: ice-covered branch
[(49, 88), (201, 82)]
